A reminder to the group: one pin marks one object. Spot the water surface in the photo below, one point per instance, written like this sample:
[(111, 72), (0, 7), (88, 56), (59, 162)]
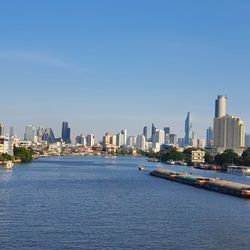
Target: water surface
[(106, 203)]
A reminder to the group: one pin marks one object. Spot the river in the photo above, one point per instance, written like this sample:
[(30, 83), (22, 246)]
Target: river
[(106, 203)]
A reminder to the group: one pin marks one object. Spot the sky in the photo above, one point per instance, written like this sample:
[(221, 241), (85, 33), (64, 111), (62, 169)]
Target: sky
[(105, 65)]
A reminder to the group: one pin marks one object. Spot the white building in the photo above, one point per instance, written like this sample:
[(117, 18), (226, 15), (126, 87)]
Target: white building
[(6, 145), (158, 137), (229, 133), (141, 142)]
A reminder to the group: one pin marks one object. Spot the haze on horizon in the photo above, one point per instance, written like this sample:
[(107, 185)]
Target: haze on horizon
[(108, 65)]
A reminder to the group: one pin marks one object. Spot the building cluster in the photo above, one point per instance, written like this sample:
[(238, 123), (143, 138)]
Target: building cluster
[(228, 132)]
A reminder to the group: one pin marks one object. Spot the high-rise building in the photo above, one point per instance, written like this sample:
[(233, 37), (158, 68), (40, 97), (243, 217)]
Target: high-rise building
[(221, 106), (113, 141), (122, 138), (209, 137), (167, 132), (90, 140), (153, 131), (173, 139), (159, 137), (66, 133), (141, 142), (247, 140), (145, 132), (229, 133), (181, 143), (81, 140), (106, 139), (11, 135), (188, 129), (1, 130), (29, 133), (131, 141), (49, 136)]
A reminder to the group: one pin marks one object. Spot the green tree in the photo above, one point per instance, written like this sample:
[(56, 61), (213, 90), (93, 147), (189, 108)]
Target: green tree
[(246, 157), (171, 154), (5, 157), (228, 157), (209, 158), (24, 154)]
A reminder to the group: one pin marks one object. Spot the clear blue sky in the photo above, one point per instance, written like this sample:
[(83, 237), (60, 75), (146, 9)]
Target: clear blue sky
[(112, 64)]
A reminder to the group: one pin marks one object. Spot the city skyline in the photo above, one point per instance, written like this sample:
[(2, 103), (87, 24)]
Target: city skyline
[(122, 65)]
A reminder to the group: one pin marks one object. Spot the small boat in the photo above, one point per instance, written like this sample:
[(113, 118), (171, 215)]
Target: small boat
[(153, 160), (141, 168), (171, 162), (240, 170)]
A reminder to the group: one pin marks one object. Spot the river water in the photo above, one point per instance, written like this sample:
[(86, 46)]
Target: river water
[(106, 203)]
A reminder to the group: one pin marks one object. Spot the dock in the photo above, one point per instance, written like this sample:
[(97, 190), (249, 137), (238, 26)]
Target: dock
[(212, 184)]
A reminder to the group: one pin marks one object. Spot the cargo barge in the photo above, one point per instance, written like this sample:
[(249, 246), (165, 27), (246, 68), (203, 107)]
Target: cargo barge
[(213, 184)]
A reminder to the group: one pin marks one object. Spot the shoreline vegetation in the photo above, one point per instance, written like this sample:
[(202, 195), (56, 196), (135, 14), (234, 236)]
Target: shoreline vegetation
[(227, 158)]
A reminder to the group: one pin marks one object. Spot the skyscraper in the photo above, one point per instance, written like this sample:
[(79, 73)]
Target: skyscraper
[(1, 129), (221, 106), (11, 135), (66, 132), (49, 136), (90, 140), (145, 132), (167, 132), (188, 129), (29, 133), (153, 131), (210, 137), (229, 133)]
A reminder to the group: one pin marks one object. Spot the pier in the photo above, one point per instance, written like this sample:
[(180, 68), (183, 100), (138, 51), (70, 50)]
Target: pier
[(213, 184)]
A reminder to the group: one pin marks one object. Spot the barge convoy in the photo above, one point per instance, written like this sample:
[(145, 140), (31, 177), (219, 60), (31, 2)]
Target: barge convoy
[(213, 184)]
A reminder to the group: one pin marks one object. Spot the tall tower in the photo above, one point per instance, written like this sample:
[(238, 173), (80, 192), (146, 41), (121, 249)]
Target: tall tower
[(153, 131), (221, 106), (1, 130), (188, 129), (66, 132), (145, 132)]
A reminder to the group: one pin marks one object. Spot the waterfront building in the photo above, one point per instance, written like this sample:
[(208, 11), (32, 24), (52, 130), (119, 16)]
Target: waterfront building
[(29, 133), (141, 142), (209, 137), (198, 156), (188, 130), (229, 133), (66, 133), (90, 140), (221, 106), (6, 145), (145, 132)]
